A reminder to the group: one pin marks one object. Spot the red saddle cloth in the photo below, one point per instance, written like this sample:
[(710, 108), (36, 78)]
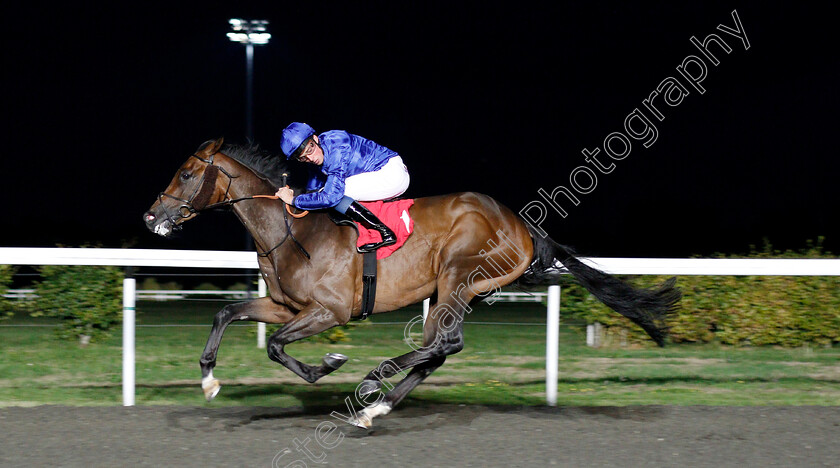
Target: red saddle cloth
[(395, 215)]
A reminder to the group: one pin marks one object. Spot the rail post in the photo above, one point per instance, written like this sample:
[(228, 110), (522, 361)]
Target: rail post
[(129, 300), (552, 338), (262, 292)]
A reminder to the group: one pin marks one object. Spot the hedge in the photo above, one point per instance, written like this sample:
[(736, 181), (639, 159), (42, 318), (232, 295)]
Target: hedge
[(87, 299), (6, 307), (787, 311)]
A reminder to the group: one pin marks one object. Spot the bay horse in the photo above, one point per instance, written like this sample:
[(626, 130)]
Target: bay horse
[(464, 246)]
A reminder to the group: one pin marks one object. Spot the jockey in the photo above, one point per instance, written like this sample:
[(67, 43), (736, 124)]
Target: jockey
[(345, 168)]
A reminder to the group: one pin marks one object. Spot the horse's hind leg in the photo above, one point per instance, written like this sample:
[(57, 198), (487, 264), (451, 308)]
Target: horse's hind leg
[(310, 321), (441, 338), (443, 335), (258, 310), (443, 332), (385, 404)]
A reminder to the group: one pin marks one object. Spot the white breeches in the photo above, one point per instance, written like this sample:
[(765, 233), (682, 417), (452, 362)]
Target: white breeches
[(388, 182)]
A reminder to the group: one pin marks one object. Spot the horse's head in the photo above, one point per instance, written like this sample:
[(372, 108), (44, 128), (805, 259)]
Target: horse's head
[(196, 185)]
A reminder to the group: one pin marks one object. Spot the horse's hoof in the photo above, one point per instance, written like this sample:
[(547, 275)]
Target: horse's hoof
[(368, 387), (211, 388), (334, 360), (364, 418), (363, 421)]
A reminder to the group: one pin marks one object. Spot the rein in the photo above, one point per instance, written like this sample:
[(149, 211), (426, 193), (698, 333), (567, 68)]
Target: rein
[(275, 197), (201, 195), (288, 232)]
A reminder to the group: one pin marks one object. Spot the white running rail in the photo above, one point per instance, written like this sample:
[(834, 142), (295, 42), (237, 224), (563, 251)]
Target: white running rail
[(248, 260)]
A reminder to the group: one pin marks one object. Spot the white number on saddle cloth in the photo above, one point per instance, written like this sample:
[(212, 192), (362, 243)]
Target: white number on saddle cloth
[(406, 219)]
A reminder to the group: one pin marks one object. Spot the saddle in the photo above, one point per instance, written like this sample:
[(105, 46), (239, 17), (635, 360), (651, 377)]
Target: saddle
[(401, 224)]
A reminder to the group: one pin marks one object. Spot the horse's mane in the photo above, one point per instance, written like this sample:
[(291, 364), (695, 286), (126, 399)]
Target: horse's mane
[(267, 166)]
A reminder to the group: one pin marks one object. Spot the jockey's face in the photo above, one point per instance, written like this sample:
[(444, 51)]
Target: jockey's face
[(313, 153)]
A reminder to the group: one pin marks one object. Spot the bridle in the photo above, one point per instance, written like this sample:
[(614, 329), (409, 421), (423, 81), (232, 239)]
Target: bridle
[(198, 200), (201, 195)]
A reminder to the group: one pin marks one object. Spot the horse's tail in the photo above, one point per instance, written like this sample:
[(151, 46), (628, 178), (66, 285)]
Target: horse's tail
[(648, 308)]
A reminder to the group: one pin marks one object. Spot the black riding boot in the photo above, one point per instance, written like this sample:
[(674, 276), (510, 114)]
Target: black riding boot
[(362, 215)]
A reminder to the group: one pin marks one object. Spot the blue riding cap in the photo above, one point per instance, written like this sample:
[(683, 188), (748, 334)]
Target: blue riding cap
[(293, 136)]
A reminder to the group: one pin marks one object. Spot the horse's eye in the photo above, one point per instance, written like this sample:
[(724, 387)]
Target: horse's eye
[(185, 175)]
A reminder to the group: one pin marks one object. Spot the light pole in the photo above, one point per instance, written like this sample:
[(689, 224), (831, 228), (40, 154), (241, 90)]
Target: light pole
[(250, 33)]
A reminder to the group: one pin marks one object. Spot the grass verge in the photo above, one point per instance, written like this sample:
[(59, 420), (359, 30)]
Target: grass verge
[(501, 365)]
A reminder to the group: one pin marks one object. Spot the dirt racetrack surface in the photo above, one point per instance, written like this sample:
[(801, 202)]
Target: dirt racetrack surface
[(421, 436)]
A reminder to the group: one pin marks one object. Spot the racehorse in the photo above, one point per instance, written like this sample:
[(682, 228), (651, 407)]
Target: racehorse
[(464, 246)]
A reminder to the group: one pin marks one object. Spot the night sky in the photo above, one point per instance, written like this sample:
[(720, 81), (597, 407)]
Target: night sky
[(103, 103)]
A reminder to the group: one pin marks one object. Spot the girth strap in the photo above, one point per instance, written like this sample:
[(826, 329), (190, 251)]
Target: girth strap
[(368, 268), (368, 284)]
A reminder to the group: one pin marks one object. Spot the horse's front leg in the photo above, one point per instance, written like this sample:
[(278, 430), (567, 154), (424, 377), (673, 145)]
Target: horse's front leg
[(258, 310), (311, 320)]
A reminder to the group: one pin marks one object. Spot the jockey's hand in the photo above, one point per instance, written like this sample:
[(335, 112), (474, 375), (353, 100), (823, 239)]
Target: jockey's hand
[(286, 194)]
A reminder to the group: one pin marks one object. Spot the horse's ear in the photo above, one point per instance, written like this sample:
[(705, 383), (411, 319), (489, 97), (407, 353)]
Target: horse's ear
[(211, 147)]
